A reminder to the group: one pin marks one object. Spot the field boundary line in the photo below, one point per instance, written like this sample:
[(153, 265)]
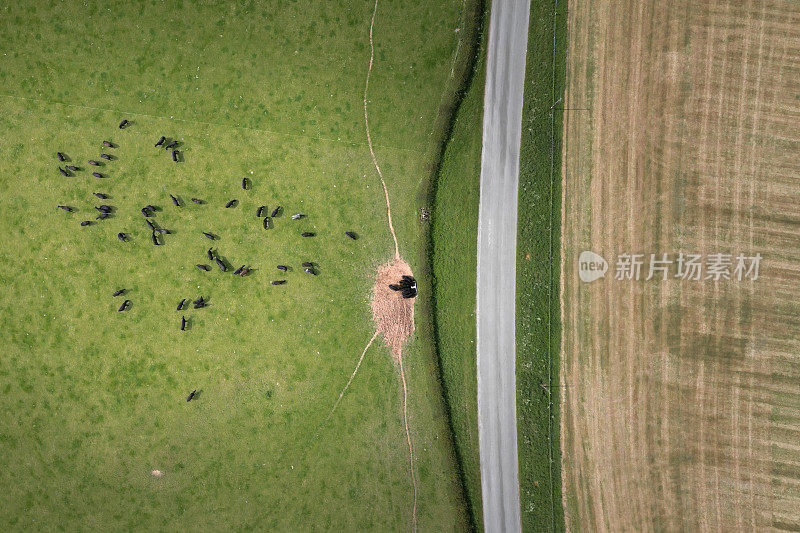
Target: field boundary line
[(472, 21), (207, 123), (458, 44), (446, 87), (550, 277)]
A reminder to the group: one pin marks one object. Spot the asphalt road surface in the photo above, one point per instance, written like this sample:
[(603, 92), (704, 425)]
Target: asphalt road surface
[(497, 250)]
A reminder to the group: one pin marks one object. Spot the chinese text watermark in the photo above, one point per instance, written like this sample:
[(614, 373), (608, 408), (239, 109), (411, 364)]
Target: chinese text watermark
[(680, 265)]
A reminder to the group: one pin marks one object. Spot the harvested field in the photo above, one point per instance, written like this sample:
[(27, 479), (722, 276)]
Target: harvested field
[(681, 399)]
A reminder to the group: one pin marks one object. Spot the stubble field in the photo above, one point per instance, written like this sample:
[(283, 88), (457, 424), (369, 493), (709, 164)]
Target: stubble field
[(680, 397)]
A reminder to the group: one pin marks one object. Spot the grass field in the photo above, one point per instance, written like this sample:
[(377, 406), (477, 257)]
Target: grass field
[(680, 397), (93, 400), (538, 241), (454, 236)]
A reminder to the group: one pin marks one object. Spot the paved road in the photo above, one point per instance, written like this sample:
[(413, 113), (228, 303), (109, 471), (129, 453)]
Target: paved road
[(497, 247)]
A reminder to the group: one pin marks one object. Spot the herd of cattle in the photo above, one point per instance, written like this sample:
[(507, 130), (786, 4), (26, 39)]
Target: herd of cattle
[(406, 286)]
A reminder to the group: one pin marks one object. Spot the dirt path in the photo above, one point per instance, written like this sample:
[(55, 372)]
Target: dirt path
[(408, 439), (369, 138), (396, 322), (349, 381), (394, 319)]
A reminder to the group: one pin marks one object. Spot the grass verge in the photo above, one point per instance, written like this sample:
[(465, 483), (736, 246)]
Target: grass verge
[(449, 197), (538, 242)]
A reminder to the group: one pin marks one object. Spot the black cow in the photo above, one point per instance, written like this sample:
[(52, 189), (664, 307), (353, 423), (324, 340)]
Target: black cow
[(156, 239), (86, 223), (108, 144), (308, 264), (180, 305), (101, 195), (122, 236), (276, 212), (183, 323), (125, 305), (97, 175), (307, 234), (238, 270), (351, 235), (298, 216), (61, 157), (266, 222), (210, 254), (310, 271), (230, 204), (245, 271), (72, 168), (150, 225), (395, 287), (103, 216), (221, 264), (64, 172), (197, 201), (66, 208), (261, 211), (199, 304), (160, 141), (146, 212), (210, 236), (106, 157), (171, 144), (191, 395), (117, 293), (94, 163), (123, 124), (203, 267), (283, 268), (175, 155), (175, 201), (279, 282), (245, 183), (105, 208)]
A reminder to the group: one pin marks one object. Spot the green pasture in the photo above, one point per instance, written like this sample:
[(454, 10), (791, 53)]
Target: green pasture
[(455, 240), (291, 67), (92, 400)]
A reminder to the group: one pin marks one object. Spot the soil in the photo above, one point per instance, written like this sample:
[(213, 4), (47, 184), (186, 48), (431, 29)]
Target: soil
[(393, 314)]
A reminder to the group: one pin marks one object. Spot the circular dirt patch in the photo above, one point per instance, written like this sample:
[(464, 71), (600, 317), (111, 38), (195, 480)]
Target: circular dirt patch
[(393, 314)]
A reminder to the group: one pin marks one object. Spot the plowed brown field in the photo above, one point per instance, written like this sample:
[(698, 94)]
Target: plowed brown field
[(681, 399)]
